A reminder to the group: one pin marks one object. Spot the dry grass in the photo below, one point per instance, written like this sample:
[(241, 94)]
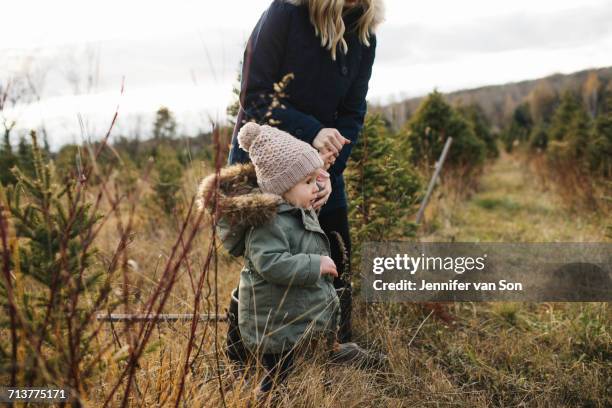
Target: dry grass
[(498, 354), (512, 203), (578, 190)]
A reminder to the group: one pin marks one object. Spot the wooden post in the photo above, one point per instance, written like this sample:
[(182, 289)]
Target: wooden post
[(432, 182), (166, 317)]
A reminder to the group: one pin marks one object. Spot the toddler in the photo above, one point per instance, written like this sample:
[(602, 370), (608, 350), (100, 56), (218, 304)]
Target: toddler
[(286, 287)]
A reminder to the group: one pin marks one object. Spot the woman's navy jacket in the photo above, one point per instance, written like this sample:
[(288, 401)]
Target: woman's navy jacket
[(323, 93)]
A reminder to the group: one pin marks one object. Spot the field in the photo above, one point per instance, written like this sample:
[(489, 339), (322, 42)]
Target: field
[(125, 238), (496, 354)]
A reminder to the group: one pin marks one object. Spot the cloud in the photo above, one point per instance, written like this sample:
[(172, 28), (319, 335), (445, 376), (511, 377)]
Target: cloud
[(184, 58), (568, 28)]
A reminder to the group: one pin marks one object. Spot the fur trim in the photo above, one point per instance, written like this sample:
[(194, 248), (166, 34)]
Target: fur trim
[(240, 199), (379, 11)]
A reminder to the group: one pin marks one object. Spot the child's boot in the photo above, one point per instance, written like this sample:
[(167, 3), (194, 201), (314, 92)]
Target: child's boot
[(351, 353)]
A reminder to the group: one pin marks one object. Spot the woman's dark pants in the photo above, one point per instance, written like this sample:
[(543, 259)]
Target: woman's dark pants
[(337, 220)]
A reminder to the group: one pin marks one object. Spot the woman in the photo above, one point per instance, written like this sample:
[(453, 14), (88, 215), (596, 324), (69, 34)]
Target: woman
[(329, 47)]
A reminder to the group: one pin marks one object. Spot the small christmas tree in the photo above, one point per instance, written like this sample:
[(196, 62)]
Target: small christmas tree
[(167, 181), (8, 159), (599, 150), (164, 126), (382, 185), (50, 285), (570, 134), (520, 127), (426, 132), (562, 118), (481, 126)]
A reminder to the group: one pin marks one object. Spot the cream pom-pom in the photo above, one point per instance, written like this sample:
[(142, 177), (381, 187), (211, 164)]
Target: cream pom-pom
[(247, 135)]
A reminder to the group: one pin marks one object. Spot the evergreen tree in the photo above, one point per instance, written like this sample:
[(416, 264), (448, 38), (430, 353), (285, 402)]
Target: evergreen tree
[(522, 116), (434, 121), (539, 137), (599, 151), (164, 126), (167, 182), (7, 160), (131, 147), (481, 126), (564, 115), (382, 185), (578, 133), (69, 161), (520, 127), (25, 158), (54, 280), (579, 151), (570, 132), (128, 174)]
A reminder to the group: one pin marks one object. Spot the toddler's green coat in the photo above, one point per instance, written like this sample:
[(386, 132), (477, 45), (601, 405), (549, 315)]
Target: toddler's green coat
[(283, 298)]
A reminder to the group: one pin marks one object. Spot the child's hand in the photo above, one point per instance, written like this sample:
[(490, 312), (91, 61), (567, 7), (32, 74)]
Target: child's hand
[(328, 267), (328, 159), (325, 189)]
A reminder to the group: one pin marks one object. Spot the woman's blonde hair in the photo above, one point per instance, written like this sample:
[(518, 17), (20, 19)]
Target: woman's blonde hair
[(326, 17)]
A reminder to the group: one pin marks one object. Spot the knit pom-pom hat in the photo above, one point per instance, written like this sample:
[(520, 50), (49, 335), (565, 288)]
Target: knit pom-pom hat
[(281, 160)]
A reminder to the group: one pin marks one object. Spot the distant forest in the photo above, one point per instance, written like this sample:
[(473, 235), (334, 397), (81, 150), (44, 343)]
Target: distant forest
[(500, 101)]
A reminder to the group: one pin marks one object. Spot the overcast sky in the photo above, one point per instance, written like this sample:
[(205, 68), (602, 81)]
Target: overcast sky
[(185, 54)]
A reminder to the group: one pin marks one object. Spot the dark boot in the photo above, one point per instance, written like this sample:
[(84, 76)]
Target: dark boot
[(345, 294), (352, 354), (234, 348)]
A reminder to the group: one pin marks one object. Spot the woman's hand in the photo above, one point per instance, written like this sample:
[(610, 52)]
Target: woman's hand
[(329, 140), (328, 267), (325, 189)]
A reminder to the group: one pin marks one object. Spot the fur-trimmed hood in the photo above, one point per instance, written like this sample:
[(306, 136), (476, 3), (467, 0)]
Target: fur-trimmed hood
[(240, 203), (379, 10), (239, 198)]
